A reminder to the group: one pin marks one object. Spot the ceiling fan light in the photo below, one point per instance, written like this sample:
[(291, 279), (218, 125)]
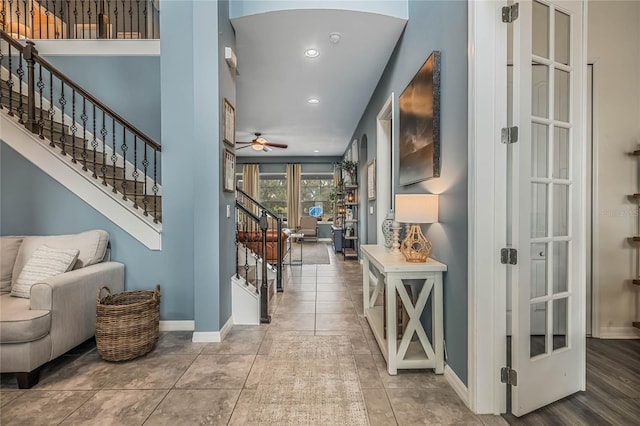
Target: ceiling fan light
[(257, 146)]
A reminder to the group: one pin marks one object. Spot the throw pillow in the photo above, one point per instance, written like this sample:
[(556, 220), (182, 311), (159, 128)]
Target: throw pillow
[(8, 252), (44, 263)]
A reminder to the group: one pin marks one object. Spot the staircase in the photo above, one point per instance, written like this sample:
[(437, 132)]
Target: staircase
[(47, 117), (259, 258)]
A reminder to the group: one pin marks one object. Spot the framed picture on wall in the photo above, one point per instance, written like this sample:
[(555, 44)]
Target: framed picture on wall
[(228, 171), (371, 180), (228, 123), (420, 124)]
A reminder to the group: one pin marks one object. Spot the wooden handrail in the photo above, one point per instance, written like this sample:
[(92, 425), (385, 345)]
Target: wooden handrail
[(66, 80)]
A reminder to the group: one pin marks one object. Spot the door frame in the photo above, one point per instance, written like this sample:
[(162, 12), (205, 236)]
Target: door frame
[(487, 164), (487, 211), (384, 169)]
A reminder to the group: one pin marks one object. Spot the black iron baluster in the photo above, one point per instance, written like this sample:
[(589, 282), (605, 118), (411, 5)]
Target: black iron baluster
[(69, 18), (20, 72), (155, 188), (18, 13), (153, 19), (31, 21), (113, 29), (83, 20), (10, 82), (10, 15), (75, 19), (145, 164), (138, 18), (84, 118), (114, 157), (74, 128), (92, 35), (62, 15), (115, 13), (47, 13), (103, 168), (124, 163), (41, 88), (63, 137), (25, 12), (52, 112), (94, 144), (130, 19), (146, 19), (135, 173), (1, 61)]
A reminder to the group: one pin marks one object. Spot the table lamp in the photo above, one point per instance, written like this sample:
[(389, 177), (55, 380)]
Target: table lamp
[(416, 209)]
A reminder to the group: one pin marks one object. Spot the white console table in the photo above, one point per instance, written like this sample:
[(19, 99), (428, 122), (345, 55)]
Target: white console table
[(389, 271)]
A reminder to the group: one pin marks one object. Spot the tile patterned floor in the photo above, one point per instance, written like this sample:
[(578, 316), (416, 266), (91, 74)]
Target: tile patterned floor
[(186, 383)]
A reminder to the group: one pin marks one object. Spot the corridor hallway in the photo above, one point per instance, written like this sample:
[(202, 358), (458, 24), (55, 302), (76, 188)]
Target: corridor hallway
[(187, 383)]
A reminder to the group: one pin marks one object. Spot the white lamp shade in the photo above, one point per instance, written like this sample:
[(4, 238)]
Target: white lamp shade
[(416, 208)]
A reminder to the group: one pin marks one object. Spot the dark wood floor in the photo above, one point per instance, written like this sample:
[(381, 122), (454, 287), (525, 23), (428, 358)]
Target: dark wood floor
[(613, 390)]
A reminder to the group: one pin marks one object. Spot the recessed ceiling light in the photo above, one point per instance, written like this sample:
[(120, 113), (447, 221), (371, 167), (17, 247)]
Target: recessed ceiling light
[(316, 151), (335, 37), (311, 53), (313, 100)]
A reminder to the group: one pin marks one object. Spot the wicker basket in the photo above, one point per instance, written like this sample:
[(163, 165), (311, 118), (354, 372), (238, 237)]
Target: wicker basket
[(127, 323)]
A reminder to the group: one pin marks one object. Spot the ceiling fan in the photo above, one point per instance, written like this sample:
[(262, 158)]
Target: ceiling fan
[(261, 144)]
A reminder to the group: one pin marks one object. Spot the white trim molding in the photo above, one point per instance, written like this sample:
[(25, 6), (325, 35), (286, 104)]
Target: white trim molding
[(98, 47), (487, 110), (619, 333), (461, 390), (185, 325), (213, 336)]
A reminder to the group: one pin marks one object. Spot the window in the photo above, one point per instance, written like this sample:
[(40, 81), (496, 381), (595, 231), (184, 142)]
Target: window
[(315, 196), (273, 193)]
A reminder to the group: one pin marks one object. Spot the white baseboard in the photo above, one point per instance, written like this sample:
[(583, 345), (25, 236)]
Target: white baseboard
[(461, 390), (619, 333), (325, 240), (177, 325), (212, 336)]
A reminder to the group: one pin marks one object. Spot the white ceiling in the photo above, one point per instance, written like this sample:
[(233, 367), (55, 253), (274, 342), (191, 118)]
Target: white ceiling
[(275, 79)]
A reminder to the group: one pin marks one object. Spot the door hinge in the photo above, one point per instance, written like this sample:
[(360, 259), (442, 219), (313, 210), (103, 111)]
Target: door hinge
[(509, 376), (509, 256), (509, 134), (510, 13)]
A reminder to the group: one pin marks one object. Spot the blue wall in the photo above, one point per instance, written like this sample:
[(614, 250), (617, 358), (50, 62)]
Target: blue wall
[(436, 25), (32, 203), (130, 85)]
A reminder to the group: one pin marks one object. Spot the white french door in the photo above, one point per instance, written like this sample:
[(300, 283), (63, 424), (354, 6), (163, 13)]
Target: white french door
[(547, 203)]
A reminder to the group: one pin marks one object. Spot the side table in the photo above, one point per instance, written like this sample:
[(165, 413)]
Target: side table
[(299, 237), (388, 272)]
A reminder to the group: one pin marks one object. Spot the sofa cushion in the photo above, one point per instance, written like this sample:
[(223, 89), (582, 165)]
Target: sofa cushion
[(44, 263), (91, 244), (9, 247), (20, 324)]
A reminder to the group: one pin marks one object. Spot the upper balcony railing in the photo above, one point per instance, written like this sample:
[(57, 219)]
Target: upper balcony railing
[(80, 19)]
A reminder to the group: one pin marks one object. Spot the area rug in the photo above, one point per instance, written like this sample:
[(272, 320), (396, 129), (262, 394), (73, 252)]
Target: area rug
[(313, 253), (309, 380)]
